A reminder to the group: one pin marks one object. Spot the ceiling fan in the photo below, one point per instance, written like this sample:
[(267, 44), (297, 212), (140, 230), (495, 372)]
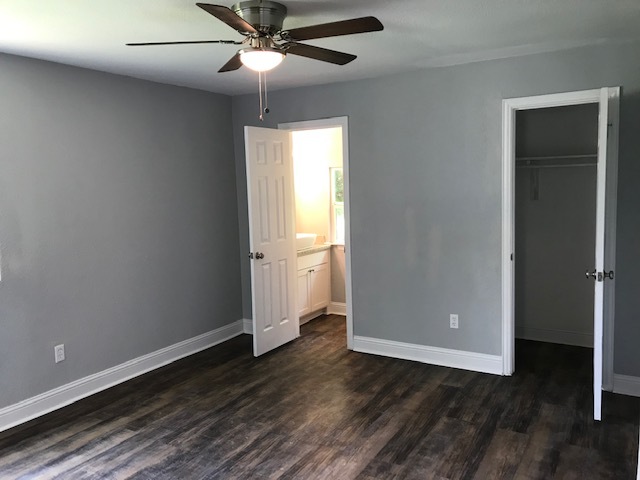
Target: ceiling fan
[(267, 43)]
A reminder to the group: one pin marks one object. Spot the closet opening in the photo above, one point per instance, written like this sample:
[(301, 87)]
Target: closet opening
[(549, 143), (555, 223)]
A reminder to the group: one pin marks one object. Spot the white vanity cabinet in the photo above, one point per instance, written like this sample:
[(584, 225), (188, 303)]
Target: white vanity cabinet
[(314, 282)]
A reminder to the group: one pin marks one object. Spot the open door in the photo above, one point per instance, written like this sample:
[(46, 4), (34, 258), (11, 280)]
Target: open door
[(605, 209), (271, 237)]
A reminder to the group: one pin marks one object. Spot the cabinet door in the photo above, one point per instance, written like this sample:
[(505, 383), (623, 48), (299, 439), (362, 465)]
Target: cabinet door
[(304, 298), (320, 286)]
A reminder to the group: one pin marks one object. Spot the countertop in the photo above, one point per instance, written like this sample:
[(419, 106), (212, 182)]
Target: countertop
[(314, 249)]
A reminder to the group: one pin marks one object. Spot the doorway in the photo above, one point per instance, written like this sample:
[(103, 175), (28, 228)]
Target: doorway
[(555, 212), (607, 101), (321, 182)]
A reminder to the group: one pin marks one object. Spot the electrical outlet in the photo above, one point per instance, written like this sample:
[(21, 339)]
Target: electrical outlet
[(58, 350), (453, 320)]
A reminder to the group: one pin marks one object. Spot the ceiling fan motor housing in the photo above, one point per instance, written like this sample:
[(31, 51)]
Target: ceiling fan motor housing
[(267, 17)]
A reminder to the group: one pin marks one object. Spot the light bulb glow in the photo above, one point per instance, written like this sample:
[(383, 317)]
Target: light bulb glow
[(261, 60)]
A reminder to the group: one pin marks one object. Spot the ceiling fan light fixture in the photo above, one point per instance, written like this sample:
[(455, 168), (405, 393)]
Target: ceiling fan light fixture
[(261, 59)]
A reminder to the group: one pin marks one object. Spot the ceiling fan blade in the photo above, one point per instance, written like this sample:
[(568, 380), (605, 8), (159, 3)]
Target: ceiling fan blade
[(229, 17), (233, 64), (317, 53), (334, 29), (143, 44)]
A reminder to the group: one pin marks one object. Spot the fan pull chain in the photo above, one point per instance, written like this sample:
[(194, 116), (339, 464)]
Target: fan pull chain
[(260, 116), (262, 93), (266, 99)]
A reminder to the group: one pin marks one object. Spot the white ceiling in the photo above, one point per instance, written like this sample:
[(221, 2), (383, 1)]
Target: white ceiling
[(417, 34)]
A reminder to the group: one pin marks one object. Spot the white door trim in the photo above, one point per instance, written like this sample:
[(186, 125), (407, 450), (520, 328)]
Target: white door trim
[(509, 108), (344, 123)]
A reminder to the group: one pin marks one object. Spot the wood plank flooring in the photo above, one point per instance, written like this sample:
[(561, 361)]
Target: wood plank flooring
[(313, 410)]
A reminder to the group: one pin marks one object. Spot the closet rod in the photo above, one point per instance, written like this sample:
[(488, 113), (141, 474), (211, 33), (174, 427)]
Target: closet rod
[(564, 165), (557, 161)]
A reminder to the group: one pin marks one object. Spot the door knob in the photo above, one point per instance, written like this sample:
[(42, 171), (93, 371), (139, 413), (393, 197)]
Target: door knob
[(600, 276), (259, 256)]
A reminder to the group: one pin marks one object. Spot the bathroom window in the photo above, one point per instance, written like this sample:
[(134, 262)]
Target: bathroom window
[(337, 205)]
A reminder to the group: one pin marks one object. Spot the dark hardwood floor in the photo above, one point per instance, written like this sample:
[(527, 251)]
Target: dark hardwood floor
[(312, 409)]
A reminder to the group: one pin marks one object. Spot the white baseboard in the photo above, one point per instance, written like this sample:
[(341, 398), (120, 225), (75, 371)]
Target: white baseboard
[(555, 336), (477, 362), (626, 385), (247, 326), (59, 397), (337, 308)]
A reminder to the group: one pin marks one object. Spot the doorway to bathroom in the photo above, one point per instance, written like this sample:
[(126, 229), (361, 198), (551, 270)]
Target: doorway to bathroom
[(321, 185)]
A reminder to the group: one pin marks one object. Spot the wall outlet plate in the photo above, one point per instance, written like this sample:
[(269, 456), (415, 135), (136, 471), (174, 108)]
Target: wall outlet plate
[(453, 320), (58, 351)]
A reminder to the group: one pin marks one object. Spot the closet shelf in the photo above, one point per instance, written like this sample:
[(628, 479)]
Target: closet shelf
[(556, 161)]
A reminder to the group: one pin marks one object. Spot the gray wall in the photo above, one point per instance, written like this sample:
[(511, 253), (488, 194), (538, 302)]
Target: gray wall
[(425, 165), (555, 232), (118, 221)]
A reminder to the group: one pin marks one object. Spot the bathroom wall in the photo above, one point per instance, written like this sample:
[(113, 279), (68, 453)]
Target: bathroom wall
[(338, 275), (314, 153)]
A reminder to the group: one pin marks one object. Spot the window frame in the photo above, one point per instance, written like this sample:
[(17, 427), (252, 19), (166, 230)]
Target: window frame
[(335, 205)]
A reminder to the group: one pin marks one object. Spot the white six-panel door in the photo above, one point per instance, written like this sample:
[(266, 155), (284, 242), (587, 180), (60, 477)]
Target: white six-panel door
[(271, 237)]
